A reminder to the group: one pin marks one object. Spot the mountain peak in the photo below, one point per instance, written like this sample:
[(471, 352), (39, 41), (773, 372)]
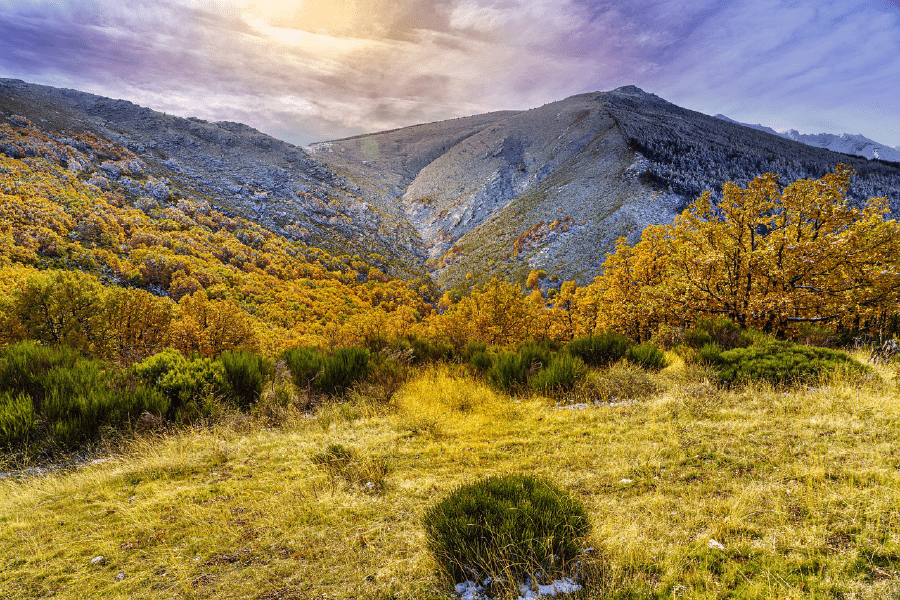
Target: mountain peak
[(630, 89)]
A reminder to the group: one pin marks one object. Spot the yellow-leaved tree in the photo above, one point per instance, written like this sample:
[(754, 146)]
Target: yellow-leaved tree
[(764, 257)]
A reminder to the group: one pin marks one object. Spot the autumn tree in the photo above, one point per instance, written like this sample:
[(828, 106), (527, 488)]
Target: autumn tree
[(765, 257)]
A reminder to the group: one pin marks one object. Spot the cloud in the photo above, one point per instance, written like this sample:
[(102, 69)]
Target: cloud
[(317, 69)]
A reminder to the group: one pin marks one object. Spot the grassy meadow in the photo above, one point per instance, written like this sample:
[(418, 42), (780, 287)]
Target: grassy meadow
[(801, 487)]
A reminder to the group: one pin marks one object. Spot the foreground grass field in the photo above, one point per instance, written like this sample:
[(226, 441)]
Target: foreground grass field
[(802, 489)]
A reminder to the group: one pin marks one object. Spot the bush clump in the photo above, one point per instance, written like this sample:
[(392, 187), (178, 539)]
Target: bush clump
[(245, 374), (189, 384), (648, 356), (600, 350), (342, 369), (58, 397), (562, 375), (722, 331), (480, 362), (16, 418), (781, 363), (304, 363), (506, 527)]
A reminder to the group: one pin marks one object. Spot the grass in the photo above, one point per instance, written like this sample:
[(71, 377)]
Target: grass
[(799, 486)]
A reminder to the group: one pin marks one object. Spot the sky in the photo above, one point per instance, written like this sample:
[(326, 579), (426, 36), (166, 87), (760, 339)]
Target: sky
[(312, 70)]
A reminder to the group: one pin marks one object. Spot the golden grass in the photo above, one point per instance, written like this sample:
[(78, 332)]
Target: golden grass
[(802, 488)]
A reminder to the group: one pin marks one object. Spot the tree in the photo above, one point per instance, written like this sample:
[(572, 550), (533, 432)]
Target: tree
[(765, 257)]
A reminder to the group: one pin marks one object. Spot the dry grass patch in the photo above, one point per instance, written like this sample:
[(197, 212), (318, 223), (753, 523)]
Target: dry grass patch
[(798, 486)]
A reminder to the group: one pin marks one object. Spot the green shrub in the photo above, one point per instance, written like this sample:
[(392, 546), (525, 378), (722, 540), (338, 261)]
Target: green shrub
[(647, 356), (16, 417), (562, 375), (342, 369), (536, 355), (72, 396), (506, 526), (709, 354), (472, 348), (481, 362), (189, 384), (425, 350), (600, 350), (23, 367), (304, 364), (509, 371), (782, 363), (245, 374)]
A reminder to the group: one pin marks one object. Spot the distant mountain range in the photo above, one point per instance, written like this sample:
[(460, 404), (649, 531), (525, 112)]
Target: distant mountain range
[(489, 195), (846, 143)]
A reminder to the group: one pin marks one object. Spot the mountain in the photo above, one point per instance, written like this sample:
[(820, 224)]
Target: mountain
[(845, 143), (235, 168), (497, 194), (555, 186)]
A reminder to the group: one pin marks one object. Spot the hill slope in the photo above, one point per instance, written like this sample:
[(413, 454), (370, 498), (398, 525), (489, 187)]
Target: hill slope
[(497, 194)]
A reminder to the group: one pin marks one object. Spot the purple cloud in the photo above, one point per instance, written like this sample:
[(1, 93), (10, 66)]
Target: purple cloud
[(324, 69)]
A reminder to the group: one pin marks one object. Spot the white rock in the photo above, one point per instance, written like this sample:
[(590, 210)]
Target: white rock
[(625, 481), (97, 560), (713, 544)]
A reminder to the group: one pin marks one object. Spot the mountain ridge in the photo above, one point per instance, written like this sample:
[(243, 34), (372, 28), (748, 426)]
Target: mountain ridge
[(461, 200)]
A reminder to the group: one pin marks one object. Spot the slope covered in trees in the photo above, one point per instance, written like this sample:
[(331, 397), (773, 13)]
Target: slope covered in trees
[(91, 254)]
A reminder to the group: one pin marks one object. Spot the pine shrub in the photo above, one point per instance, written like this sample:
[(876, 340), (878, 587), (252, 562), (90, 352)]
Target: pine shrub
[(189, 384), (16, 418), (506, 526), (782, 363), (429, 351), (305, 364), (480, 362), (600, 350), (245, 375), (562, 375), (721, 331), (647, 356), (69, 396), (509, 371), (342, 369)]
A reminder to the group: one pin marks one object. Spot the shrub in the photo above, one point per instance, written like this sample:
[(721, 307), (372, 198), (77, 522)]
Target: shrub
[(647, 356), (512, 525), (24, 366), (342, 369), (600, 350), (562, 375), (782, 363), (425, 350), (472, 348), (481, 362), (189, 384), (509, 371), (709, 354), (304, 364), (16, 417), (73, 397), (245, 374)]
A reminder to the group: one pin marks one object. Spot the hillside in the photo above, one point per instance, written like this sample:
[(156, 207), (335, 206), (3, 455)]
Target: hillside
[(554, 187), (491, 195)]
